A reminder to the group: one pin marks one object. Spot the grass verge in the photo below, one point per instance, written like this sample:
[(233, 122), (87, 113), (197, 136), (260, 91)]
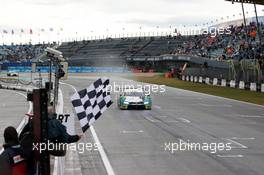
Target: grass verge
[(232, 93)]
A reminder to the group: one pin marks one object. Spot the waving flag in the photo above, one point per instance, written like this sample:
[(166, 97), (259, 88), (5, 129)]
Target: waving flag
[(90, 103)]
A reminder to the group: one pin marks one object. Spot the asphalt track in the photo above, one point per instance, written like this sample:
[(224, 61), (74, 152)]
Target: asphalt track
[(134, 141)]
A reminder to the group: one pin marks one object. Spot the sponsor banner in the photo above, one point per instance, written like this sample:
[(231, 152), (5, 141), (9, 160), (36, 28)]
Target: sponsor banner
[(71, 69)]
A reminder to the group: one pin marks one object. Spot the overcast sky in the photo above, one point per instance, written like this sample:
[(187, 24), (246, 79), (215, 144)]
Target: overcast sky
[(97, 17)]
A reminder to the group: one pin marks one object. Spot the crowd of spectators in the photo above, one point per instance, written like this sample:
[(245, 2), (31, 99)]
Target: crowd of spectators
[(240, 43), (20, 53)]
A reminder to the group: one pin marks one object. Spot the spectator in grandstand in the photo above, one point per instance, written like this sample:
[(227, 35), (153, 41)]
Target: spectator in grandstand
[(221, 58), (15, 53)]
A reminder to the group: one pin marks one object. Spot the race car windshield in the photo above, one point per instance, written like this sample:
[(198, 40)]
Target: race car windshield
[(133, 94)]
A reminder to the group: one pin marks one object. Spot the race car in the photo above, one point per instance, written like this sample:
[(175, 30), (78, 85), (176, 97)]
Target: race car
[(12, 74), (134, 99)]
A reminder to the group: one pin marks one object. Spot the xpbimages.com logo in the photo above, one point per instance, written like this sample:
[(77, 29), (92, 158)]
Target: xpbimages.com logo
[(147, 88), (79, 147), (182, 145)]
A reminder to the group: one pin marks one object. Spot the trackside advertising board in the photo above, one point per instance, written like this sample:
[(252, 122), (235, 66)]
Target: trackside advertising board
[(71, 69)]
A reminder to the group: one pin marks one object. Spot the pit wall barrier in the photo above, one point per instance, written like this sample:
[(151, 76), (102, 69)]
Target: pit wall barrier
[(72, 69), (256, 87)]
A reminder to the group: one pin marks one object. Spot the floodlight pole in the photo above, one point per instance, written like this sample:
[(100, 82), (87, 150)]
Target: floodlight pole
[(56, 84), (245, 22), (50, 79), (258, 27)]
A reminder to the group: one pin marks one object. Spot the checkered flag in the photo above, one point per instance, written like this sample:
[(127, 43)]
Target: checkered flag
[(91, 102)]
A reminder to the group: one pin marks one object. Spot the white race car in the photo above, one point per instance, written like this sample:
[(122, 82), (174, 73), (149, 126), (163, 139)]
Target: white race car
[(134, 98), (12, 74)]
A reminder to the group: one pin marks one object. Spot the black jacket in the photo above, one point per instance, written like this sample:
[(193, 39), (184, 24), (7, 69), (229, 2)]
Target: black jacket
[(12, 151), (57, 132)]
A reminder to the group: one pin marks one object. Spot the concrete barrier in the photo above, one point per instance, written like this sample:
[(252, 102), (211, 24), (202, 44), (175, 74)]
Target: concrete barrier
[(200, 79), (195, 79), (215, 81), (191, 79), (232, 83), (262, 87), (241, 85), (253, 86), (223, 83), (207, 80)]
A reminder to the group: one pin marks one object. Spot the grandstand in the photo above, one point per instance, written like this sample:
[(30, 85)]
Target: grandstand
[(159, 53), (116, 51), (21, 53)]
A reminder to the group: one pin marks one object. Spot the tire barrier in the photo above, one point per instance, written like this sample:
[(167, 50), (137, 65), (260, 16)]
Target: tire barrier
[(257, 87), (16, 87)]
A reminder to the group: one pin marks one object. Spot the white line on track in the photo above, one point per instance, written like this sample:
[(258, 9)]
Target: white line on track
[(164, 116), (172, 121), (230, 156), (184, 120), (237, 143), (104, 157), (108, 166), (156, 121), (243, 138), (151, 120), (132, 132), (157, 107), (250, 116), (214, 105)]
